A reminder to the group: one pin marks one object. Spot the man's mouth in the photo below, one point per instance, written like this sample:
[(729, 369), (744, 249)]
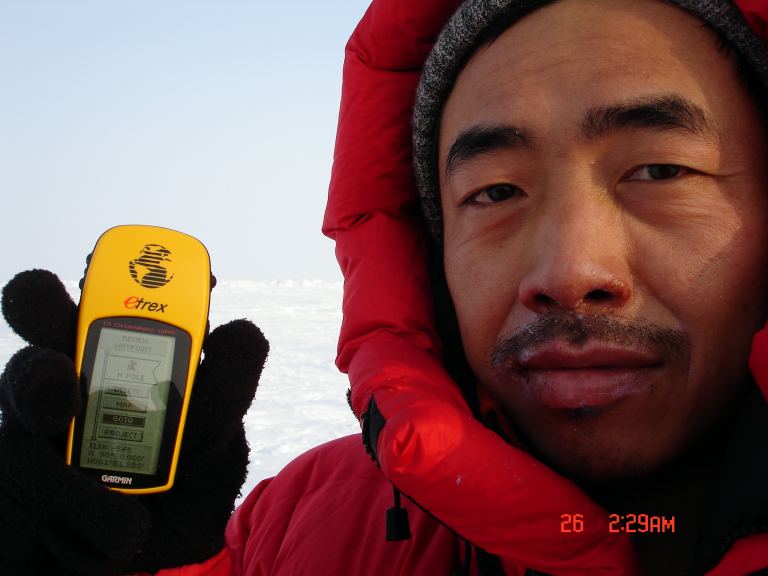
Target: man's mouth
[(562, 376)]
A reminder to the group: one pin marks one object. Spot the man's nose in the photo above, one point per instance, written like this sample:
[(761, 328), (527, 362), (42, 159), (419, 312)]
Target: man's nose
[(578, 260)]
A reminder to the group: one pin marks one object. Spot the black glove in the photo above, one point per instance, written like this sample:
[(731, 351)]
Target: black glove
[(55, 520)]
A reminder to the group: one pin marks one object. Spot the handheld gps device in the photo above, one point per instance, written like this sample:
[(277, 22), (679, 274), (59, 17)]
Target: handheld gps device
[(142, 318)]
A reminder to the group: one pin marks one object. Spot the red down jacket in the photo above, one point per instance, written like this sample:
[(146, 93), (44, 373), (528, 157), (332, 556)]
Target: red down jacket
[(324, 514)]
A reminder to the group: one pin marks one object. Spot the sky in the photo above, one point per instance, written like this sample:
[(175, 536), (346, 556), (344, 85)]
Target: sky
[(213, 117)]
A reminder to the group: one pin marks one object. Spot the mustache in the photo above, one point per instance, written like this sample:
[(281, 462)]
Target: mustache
[(582, 328)]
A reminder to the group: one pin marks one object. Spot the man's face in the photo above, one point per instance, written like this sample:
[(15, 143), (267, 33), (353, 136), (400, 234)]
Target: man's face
[(602, 173)]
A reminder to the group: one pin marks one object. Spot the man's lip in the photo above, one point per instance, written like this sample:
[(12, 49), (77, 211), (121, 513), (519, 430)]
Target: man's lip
[(563, 356), (561, 376)]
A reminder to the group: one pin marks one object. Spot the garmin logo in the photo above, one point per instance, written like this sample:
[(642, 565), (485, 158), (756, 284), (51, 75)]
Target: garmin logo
[(125, 480), (136, 303)]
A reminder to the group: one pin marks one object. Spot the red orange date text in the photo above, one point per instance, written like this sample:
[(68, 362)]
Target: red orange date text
[(629, 523)]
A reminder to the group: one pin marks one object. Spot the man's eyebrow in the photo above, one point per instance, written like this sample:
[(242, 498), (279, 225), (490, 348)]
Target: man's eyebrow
[(482, 139), (665, 112), (662, 112)]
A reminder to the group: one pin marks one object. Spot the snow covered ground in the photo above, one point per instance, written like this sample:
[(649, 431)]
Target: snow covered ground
[(301, 397)]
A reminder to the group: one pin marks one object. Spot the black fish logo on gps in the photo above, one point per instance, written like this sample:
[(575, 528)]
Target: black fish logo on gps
[(150, 268)]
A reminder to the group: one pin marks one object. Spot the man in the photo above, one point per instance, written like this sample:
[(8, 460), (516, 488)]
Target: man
[(513, 254), (599, 242), (593, 176)]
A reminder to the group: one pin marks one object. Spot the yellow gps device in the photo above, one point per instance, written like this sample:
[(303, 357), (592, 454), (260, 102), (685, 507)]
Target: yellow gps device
[(142, 318)]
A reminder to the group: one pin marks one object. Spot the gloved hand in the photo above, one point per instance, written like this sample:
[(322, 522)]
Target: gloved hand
[(55, 520)]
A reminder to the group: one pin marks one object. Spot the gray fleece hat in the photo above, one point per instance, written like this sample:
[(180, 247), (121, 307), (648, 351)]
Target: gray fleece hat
[(466, 30)]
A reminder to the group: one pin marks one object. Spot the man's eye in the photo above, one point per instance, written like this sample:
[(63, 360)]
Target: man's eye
[(493, 194), (658, 172)]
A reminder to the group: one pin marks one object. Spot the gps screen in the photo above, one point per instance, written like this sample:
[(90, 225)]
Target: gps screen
[(127, 402)]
